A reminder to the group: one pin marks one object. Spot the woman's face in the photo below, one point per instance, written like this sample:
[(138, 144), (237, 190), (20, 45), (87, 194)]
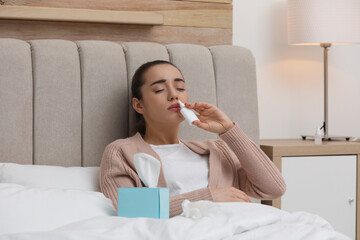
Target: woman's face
[(164, 86)]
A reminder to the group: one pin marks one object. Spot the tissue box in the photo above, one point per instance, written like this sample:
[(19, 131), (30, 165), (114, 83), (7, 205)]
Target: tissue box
[(143, 202)]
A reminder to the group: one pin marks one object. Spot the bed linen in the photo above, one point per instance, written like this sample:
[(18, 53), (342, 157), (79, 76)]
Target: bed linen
[(236, 220), (82, 178), (29, 209)]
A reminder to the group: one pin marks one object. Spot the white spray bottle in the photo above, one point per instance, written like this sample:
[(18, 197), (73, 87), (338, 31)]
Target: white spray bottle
[(188, 114)]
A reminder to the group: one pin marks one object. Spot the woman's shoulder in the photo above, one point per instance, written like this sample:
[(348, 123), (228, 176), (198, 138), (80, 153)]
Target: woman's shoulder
[(121, 143)]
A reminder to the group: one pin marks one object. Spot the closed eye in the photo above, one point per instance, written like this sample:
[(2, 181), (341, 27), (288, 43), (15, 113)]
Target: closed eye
[(180, 89)]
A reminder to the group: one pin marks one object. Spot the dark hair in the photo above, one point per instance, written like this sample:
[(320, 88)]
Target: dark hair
[(136, 83)]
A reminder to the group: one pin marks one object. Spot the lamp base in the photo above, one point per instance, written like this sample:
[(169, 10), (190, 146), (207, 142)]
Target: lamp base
[(329, 138)]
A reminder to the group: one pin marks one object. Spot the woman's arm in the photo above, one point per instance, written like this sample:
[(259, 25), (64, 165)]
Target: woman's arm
[(258, 175), (175, 201), (114, 173)]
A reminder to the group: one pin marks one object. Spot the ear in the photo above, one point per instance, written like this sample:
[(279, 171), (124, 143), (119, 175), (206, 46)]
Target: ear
[(137, 105)]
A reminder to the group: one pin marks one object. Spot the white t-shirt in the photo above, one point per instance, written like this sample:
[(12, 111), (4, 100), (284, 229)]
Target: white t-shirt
[(184, 169)]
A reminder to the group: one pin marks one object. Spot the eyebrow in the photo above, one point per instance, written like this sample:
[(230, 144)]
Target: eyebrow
[(164, 80)]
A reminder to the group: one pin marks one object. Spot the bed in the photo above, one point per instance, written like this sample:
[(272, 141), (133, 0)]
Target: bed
[(62, 102)]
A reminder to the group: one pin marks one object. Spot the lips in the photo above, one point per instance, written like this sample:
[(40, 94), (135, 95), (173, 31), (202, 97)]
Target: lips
[(174, 107)]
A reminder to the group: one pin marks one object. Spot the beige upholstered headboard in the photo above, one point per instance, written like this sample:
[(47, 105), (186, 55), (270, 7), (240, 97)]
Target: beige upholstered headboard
[(62, 102)]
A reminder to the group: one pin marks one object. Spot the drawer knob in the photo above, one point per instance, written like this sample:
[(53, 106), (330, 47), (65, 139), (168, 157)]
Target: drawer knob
[(351, 200)]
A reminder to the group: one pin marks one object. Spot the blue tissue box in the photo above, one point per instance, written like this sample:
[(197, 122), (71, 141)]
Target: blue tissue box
[(143, 202)]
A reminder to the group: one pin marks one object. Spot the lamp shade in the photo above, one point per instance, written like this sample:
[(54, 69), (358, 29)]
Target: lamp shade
[(323, 21)]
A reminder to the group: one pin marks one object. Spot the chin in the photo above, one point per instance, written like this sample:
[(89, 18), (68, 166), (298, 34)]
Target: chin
[(178, 118)]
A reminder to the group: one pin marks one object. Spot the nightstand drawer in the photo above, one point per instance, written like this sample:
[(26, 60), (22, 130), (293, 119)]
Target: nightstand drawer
[(322, 185)]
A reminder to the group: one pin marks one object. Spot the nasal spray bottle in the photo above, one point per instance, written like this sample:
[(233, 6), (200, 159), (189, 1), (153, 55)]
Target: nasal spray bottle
[(188, 114), (318, 136)]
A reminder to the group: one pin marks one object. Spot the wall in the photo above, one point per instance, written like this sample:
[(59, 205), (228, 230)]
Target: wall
[(290, 78)]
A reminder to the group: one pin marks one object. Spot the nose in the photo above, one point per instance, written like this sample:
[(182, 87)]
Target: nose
[(172, 95)]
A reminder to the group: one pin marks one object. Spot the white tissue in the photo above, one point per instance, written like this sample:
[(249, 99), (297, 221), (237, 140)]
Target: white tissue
[(199, 209), (148, 169)]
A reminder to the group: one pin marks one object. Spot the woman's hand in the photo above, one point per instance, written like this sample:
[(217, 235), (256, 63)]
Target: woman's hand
[(211, 117), (229, 194)]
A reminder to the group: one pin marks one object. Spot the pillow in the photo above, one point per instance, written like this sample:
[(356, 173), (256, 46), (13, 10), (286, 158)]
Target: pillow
[(25, 209), (84, 178)]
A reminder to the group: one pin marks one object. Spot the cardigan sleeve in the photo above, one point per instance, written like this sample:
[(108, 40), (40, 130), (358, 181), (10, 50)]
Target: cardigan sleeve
[(258, 175), (114, 173), (196, 195)]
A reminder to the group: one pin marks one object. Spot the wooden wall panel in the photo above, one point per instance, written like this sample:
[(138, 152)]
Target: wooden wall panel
[(217, 1), (198, 18), (27, 30), (194, 21), (80, 15), (131, 5)]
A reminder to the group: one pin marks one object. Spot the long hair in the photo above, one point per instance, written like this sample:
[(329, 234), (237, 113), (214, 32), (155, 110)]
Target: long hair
[(136, 83)]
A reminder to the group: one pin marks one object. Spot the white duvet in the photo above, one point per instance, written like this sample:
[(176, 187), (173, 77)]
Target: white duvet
[(238, 220)]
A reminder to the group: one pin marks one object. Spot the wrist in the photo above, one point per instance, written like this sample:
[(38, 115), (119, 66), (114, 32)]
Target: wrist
[(227, 127)]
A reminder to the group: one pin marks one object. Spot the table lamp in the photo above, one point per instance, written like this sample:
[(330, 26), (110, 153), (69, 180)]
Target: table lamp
[(324, 23)]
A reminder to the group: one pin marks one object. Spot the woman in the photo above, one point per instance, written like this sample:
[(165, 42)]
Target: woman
[(194, 170)]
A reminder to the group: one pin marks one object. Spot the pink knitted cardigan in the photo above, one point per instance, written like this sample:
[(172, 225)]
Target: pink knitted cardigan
[(234, 161)]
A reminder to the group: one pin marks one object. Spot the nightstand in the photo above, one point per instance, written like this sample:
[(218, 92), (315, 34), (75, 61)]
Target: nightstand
[(321, 179)]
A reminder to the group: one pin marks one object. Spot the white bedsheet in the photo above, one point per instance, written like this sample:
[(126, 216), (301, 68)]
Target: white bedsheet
[(238, 220)]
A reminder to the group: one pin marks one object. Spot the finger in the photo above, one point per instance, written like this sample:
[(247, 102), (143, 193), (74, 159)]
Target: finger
[(240, 199), (191, 106), (201, 105), (198, 110), (244, 196), (200, 124), (188, 105), (240, 196), (198, 106), (247, 198), (201, 118)]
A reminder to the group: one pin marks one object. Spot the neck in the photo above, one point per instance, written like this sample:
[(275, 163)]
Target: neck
[(161, 134)]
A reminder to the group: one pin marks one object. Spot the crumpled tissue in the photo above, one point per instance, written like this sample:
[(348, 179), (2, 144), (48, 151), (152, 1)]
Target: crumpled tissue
[(148, 169), (199, 209)]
